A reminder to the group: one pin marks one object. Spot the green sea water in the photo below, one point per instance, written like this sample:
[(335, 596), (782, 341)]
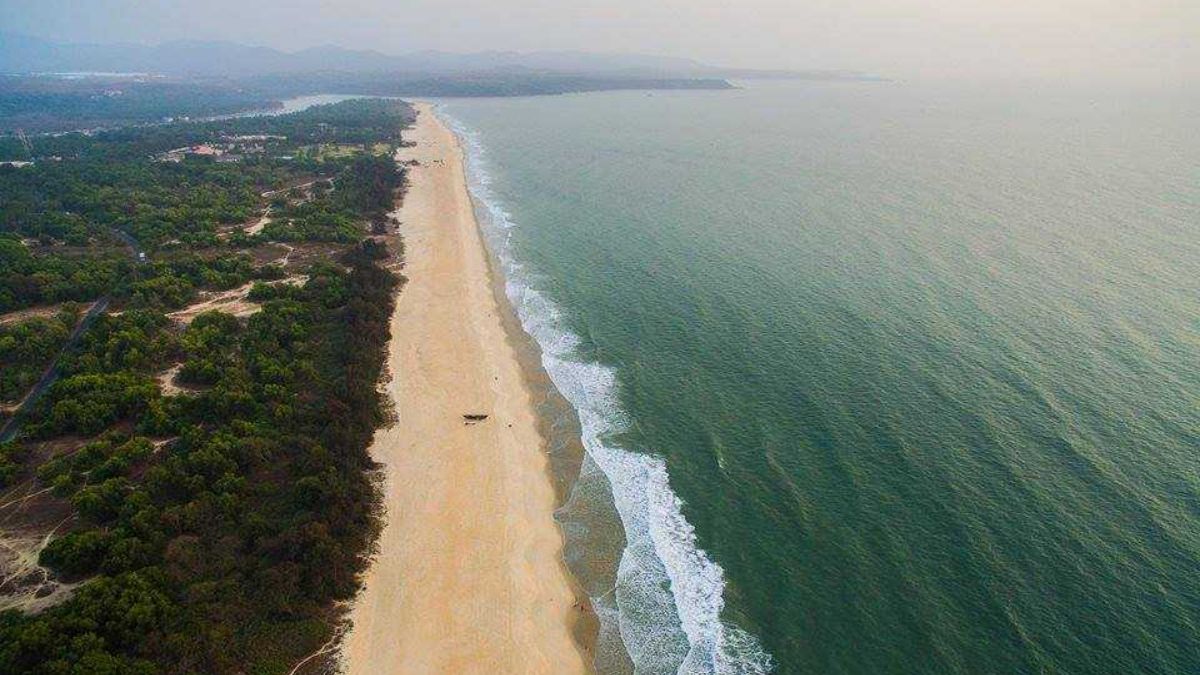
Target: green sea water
[(880, 377)]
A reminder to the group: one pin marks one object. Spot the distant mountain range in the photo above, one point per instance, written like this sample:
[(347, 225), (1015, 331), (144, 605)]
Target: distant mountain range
[(22, 54)]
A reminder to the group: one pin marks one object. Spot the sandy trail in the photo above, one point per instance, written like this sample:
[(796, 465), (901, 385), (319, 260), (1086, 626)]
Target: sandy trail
[(43, 311), (262, 222), (233, 301), (468, 577)]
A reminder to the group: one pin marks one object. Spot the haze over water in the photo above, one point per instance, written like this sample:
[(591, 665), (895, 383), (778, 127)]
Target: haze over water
[(923, 362)]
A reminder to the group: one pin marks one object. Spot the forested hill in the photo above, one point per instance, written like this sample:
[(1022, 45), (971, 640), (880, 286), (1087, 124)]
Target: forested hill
[(193, 493), (51, 103), (51, 86)]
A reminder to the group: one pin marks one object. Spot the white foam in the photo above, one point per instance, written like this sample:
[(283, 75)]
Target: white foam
[(669, 593)]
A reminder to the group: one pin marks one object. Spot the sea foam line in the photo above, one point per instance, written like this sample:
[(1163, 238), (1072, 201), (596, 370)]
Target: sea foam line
[(665, 627)]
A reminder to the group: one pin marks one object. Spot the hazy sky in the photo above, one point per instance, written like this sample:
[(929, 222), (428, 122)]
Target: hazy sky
[(1127, 39)]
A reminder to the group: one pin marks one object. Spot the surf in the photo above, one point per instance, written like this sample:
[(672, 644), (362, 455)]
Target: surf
[(665, 609)]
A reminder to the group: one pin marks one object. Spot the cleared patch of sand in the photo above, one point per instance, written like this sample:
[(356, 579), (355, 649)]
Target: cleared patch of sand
[(31, 516), (168, 382), (287, 255), (44, 311), (468, 577), (258, 225), (232, 301), (24, 584)]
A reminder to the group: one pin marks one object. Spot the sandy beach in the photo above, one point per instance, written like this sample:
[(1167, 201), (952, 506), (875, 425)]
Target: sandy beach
[(468, 576)]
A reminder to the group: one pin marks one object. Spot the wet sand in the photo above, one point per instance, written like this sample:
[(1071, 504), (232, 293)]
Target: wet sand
[(468, 577)]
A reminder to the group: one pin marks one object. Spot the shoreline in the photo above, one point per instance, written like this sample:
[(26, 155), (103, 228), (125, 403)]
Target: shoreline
[(656, 596), (594, 538), (468, 574), (558, 424)]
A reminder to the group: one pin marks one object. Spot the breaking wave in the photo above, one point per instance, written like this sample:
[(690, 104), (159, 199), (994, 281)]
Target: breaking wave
[(665, 611)]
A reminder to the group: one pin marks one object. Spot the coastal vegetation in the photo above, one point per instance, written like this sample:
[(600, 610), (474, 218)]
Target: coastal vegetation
[(26, 347), (211, 466), (45, 102), (27, 279)]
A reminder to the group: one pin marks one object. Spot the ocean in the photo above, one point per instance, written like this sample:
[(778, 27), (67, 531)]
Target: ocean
[(870, 377)]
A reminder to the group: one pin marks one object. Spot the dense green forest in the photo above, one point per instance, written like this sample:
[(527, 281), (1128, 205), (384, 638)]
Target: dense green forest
[(84, 188), (46, 102), (212, 528), (27, 346), (27, 279)]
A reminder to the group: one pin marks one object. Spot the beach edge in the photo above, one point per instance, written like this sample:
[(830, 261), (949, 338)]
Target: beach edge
[(505, 618)]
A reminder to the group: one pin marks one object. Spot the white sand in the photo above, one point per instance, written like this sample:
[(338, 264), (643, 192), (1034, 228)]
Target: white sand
[(468, 578)]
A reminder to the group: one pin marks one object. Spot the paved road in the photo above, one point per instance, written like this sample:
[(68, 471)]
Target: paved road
[(13, 425), (50, 375)]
